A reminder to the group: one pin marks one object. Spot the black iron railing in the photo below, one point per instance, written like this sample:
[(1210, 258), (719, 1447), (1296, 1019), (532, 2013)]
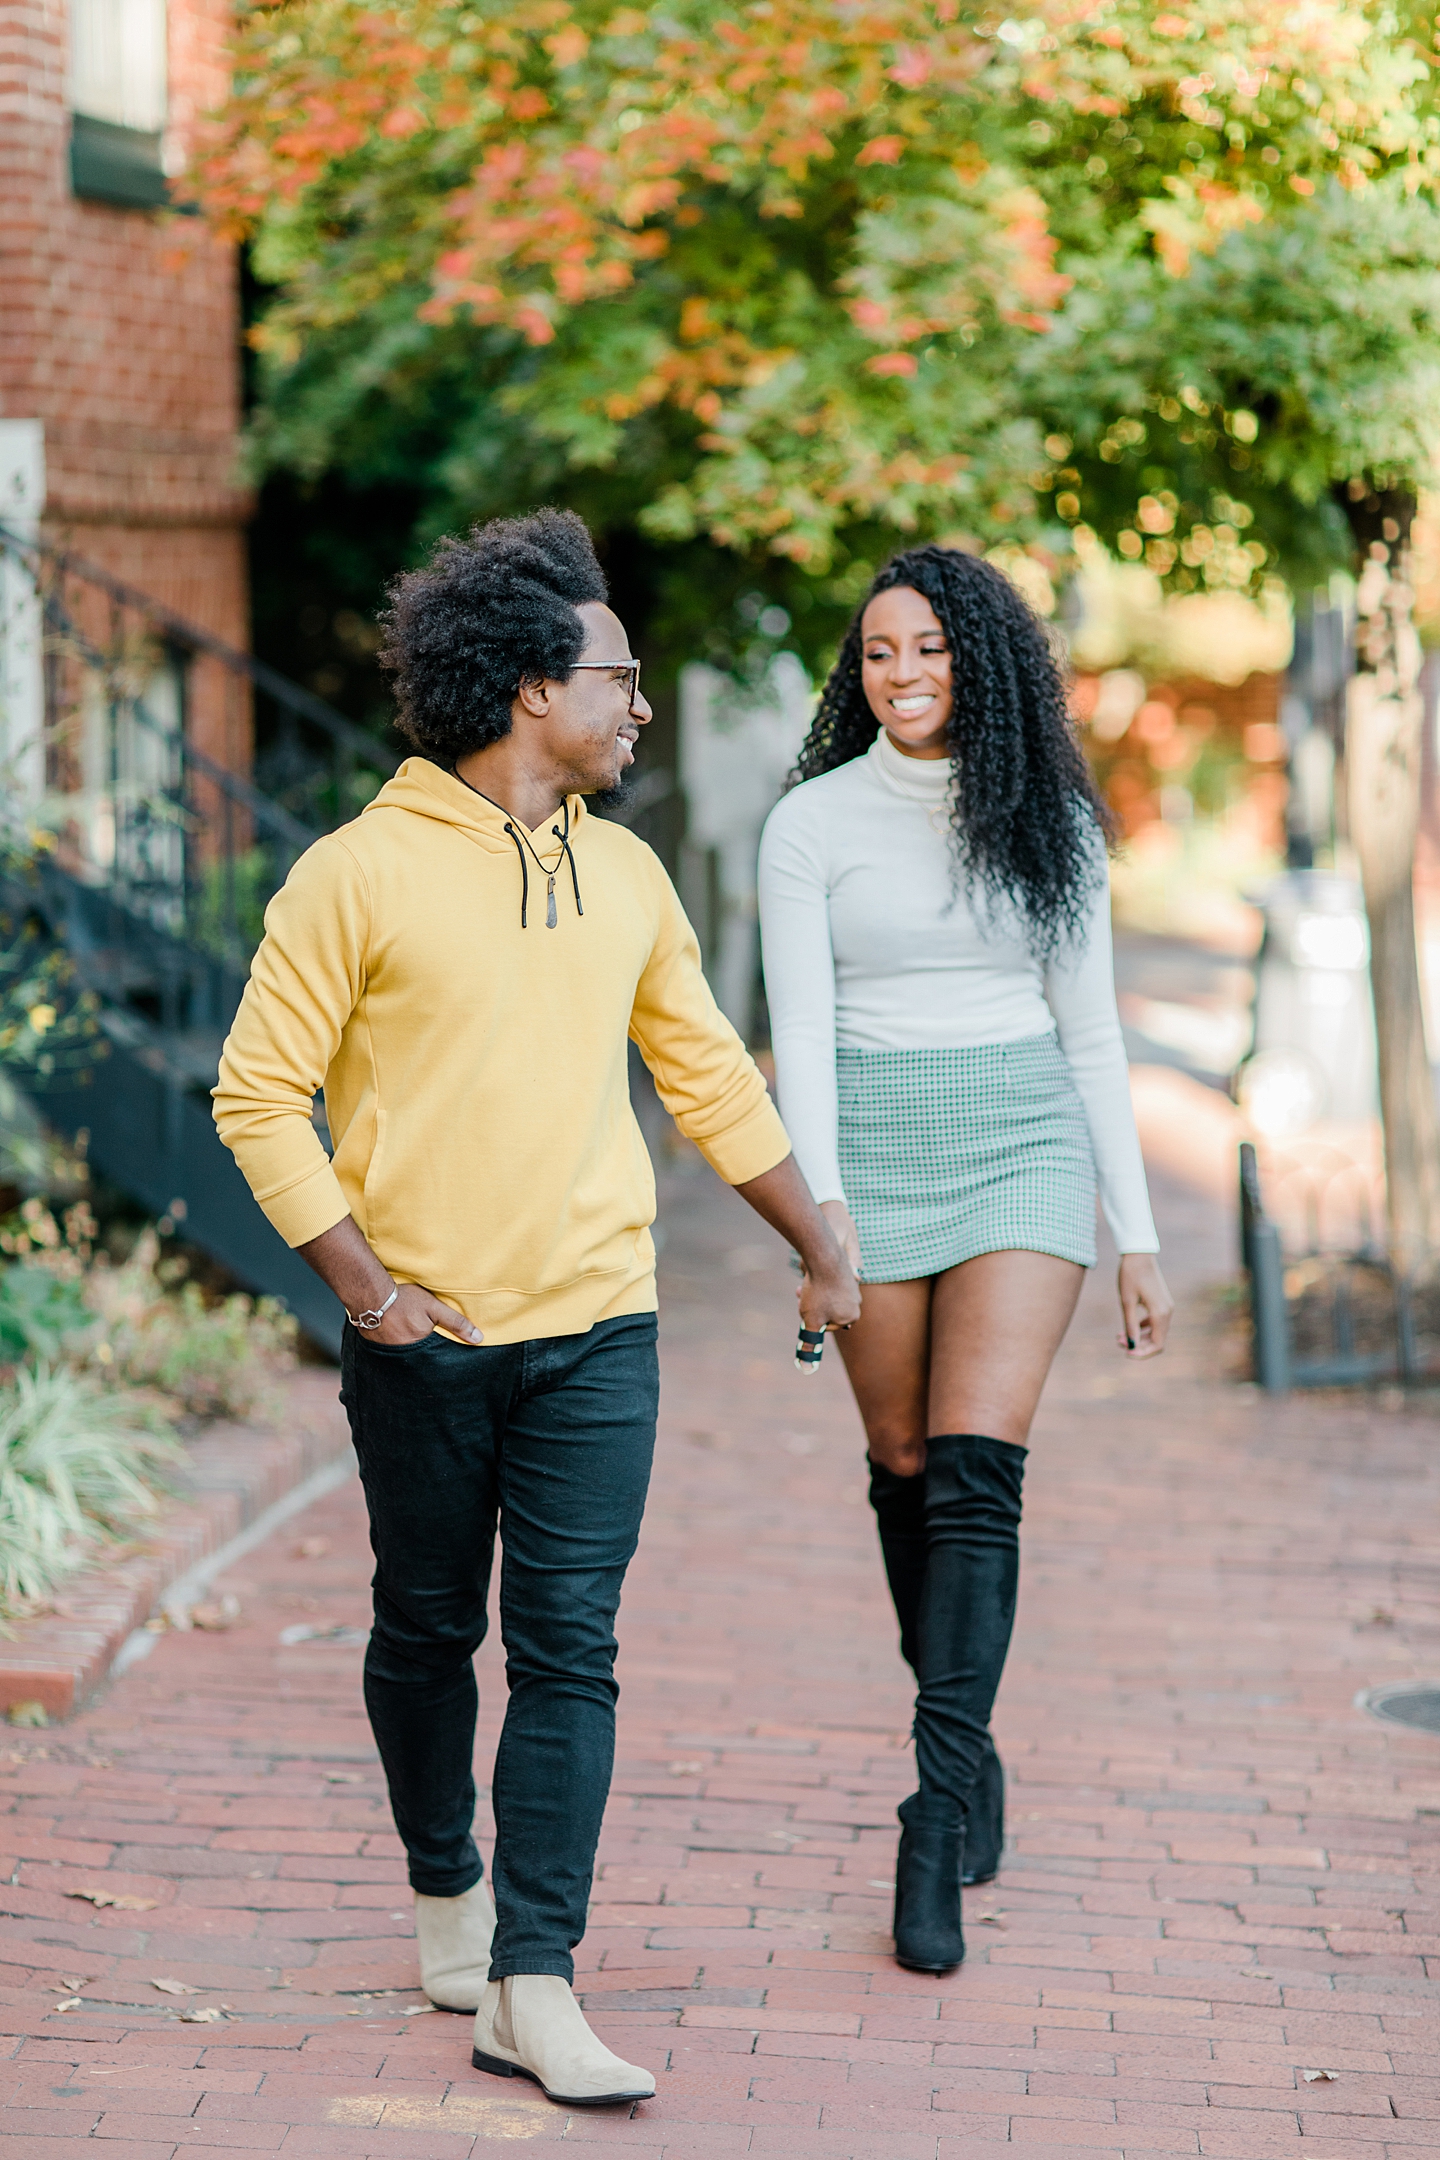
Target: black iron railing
[(153, 729)]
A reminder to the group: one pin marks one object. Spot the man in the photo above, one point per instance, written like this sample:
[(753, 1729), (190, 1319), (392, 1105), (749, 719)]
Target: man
[(460, 968)]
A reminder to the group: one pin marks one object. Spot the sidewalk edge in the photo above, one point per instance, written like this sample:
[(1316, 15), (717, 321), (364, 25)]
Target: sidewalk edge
[(243, 1482)]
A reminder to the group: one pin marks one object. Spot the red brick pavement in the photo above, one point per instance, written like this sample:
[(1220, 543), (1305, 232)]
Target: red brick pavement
[(1221, 1877)]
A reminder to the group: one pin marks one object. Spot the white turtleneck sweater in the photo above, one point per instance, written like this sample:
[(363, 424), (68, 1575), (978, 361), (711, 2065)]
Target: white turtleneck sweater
[(870, 945)]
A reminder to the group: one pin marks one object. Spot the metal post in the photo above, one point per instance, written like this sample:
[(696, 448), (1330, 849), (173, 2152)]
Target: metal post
[(1260, 1242), (1249, 1204), (1272, 1323)]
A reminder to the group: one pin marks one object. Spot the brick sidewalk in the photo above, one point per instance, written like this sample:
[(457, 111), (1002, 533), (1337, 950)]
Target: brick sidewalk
[(1220, 1876)]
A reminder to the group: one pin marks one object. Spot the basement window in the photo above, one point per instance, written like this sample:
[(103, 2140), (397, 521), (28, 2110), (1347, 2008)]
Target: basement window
[(118, 102)]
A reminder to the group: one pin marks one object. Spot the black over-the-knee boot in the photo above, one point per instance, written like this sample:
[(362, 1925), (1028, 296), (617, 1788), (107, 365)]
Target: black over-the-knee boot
[(899, 1504), (967, 1610)]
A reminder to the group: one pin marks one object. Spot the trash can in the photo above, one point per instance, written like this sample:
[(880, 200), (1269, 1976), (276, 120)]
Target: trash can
[(1314, 1053)]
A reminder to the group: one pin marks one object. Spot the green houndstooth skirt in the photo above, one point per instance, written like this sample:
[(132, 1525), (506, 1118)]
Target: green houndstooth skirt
[(949, 1153)]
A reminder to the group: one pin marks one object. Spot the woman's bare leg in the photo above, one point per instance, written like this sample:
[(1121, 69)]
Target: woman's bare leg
[(887, 1358), (966, 1351), (996, 1323)]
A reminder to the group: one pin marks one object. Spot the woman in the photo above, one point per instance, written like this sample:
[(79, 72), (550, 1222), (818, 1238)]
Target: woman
[(935, 914)]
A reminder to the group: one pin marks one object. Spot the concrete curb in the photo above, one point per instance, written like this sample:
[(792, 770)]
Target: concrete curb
[(237, 1475)]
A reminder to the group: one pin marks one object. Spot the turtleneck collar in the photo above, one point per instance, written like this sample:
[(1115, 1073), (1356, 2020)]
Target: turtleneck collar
[(927, 780)]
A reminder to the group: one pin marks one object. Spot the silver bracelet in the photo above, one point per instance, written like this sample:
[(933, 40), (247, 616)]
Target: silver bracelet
[(368, 1320)]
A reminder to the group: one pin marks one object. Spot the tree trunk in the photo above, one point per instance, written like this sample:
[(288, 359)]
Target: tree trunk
[(1382, 757)]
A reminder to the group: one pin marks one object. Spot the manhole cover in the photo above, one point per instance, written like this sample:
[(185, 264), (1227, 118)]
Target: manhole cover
[(1415, 1703)]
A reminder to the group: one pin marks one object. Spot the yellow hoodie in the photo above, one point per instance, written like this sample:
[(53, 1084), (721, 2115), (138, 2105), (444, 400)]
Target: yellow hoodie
[(475, 1072)]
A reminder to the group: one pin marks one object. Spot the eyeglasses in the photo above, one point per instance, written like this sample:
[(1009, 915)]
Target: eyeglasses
[(631, 668)]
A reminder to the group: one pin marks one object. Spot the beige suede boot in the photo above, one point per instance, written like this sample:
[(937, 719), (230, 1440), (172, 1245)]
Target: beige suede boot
[(453, 1937), (530, 2025)]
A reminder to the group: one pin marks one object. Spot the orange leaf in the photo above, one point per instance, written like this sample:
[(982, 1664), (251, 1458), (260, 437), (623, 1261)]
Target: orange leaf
[(881, 150), (892, 363), (912, 67), (568, 46)]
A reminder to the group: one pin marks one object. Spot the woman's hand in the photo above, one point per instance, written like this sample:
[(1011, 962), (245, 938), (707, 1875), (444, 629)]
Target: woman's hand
[(842, 1223), (1145, 1306), (829, 1294)]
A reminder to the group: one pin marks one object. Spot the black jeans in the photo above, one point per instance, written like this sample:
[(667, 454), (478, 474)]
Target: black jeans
[(553, 1439)]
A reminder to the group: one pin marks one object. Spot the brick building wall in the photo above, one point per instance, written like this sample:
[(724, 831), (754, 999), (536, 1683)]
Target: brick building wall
[(119, 333)]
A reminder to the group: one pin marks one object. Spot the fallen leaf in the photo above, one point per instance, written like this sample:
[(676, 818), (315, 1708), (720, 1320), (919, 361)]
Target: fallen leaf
[(878, 1882), (216, 1615), (28, 1713), (419, 2009), (200, 2017), (991, 1919), (122, 1901), (72, 2004), (686, 1769), (1320, 2077), (174, 1987), (312, 1548), (344, 1777)]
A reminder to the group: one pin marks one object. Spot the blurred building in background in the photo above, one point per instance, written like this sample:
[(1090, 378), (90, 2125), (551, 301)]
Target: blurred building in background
[(129, 699), (737, 746), (119, 341)]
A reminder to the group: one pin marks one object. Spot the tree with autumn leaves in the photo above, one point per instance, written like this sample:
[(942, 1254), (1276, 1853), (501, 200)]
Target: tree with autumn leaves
[(791, 271), (770, 288)]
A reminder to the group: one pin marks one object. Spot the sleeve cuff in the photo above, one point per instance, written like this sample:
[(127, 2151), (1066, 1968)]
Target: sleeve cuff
[(750, 1149), (307, 1210)]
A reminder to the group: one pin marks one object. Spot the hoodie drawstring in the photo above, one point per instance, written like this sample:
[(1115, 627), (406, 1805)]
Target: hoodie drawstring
[(523, 848), (524, 873), (563, 838)]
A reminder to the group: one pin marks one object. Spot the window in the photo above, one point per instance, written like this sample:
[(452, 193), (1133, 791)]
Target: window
[(117, 101)]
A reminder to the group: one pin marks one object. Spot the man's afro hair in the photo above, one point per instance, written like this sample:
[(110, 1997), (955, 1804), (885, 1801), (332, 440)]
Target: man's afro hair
[(485, 614)]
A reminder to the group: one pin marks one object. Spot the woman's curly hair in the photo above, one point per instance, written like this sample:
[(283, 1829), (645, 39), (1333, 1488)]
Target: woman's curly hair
[(484, 615), (1025, 803)]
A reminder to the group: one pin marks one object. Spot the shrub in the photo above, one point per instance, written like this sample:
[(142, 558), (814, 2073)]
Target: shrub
[(40, 1313), (218, 1360), (76, 1466), (225, 1359)]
